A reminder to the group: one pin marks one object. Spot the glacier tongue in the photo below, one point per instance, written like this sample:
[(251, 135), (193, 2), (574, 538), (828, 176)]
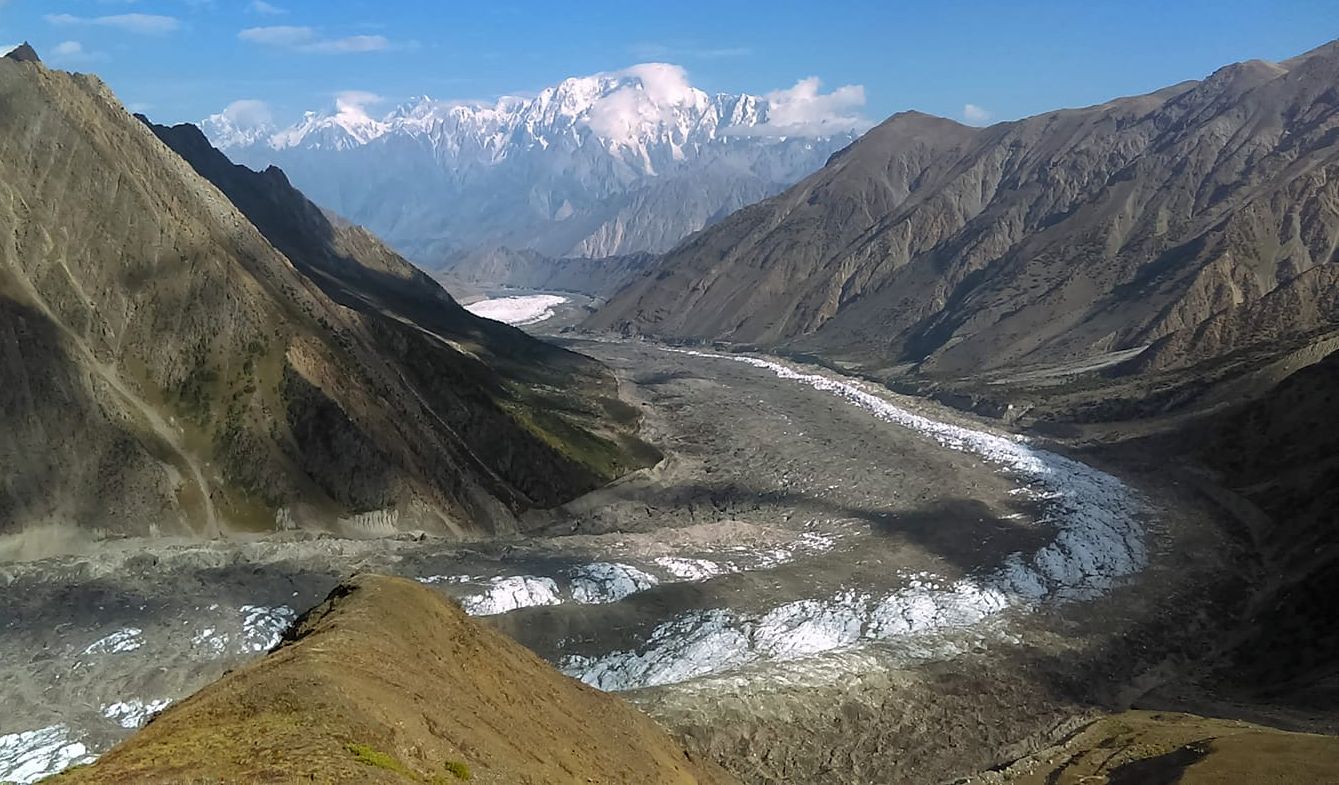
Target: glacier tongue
[(518, 311), (132, 714), (1099, 541), (510, 593), (121, 641)]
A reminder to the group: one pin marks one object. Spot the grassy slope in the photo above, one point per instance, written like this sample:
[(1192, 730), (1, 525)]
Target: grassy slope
[(387, 682), (1151, 748)]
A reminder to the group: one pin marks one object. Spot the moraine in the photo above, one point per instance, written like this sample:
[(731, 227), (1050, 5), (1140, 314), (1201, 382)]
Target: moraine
[(772, 536)]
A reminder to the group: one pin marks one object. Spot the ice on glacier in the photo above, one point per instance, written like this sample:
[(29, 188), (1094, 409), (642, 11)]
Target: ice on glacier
[(604, 582), (507, 593), (1099, 540)]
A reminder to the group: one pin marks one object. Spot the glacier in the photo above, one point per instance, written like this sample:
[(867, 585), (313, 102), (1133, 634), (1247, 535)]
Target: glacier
[(518, 311), (1099, 541)]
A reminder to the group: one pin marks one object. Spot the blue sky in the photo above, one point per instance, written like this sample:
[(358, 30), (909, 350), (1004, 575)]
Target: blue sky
[(179, 60)]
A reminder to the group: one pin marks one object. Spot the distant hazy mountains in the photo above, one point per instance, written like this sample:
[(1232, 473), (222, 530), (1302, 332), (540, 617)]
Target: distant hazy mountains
[(1201, 221), (614, 163), (191, 346)]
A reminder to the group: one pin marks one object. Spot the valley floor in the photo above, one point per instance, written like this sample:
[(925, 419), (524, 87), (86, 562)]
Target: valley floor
[(821, 582)]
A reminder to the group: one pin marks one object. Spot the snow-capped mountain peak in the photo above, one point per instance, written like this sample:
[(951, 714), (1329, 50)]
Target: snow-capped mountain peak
[(349, 126), (241, 124), (614, 162), (628, 111)]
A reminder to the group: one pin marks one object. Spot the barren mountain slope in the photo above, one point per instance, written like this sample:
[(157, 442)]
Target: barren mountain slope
[(1282, 454), (1054, 238), (355, 269), (463, 703), (169, 370)]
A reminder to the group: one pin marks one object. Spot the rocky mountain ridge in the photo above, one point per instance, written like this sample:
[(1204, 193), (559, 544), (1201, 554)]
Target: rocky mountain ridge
[(491, 268), (171, 371), (1198, 220), (608, 164)]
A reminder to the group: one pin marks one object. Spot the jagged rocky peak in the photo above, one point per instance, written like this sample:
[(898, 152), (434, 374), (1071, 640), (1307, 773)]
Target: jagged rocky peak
[(608, 164), (642, 104), (23, 53)]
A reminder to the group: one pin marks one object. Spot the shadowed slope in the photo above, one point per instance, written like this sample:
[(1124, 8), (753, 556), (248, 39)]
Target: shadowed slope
[(1160, 748), (219, 384)]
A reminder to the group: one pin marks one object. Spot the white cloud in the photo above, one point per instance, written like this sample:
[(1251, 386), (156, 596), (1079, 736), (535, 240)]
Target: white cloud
[(249, 113), (72, 52), (349, 45), (804, 110), (143, 24), (650, 95), (306, 39), (265, 9), (278, 35), (356, 100), (976, 115)]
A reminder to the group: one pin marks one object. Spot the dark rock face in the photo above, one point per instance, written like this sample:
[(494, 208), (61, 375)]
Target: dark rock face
[(1169, 219), (24, 54)]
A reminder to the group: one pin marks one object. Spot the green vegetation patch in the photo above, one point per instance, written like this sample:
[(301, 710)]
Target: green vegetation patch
[(370, 756), (458, 769)]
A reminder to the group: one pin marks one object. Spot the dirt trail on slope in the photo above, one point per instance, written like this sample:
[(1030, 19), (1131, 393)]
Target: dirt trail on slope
[(168, 435)]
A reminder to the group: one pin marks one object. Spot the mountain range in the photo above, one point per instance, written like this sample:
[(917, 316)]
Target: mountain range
[(190, 346), (614, 163), (1160, 232)]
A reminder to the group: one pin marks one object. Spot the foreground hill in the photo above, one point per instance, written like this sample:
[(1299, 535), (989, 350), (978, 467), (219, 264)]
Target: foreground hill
[(170, 369), (1140, 747), (462, 702), (933, 247)]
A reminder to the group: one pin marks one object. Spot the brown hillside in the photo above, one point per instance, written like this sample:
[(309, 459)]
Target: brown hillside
[(387, 682), (1057, 238), (168, 369)]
